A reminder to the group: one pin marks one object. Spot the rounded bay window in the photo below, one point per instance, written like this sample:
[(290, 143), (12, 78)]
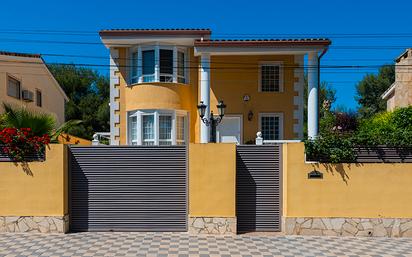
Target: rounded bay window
[(158, 63), (157, 127)]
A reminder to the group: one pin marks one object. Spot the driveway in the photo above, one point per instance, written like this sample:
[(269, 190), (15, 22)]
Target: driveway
[(181, 244)]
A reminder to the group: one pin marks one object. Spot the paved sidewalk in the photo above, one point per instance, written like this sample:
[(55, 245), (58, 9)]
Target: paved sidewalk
[(181, 244)]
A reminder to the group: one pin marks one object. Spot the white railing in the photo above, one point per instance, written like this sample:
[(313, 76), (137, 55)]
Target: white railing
[(261, 141), (97, 137)]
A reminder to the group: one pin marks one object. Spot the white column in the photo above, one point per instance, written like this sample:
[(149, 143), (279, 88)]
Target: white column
[(205, 94), (175, 64), (139, 64), (157, 63), (313, 101)]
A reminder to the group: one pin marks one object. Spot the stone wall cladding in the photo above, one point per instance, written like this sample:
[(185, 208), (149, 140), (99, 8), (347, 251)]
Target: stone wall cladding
[(34, 224), (363, 227), (212, 225)]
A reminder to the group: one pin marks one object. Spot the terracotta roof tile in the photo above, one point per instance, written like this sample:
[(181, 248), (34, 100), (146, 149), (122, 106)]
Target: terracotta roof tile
[(182, 31), (20, 54), (264, 42)]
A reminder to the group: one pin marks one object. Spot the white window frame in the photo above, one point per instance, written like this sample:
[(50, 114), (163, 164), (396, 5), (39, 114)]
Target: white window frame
[(174, 77), (157, 113), (281, 75), (275, 114), (185, 128), (172, 130), (155, 125)]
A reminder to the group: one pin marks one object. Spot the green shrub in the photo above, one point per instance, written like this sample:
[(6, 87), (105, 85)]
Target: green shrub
[(332, 147), (393, 129), (389, 128)]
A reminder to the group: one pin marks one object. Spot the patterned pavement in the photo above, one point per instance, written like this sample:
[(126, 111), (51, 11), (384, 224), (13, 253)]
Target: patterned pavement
[(181, 244)]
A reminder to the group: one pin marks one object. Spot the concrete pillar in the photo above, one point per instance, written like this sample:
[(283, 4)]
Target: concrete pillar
[(205, 94), (313, 101)]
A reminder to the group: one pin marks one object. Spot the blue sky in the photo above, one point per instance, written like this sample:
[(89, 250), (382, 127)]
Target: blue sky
[(225, 18)]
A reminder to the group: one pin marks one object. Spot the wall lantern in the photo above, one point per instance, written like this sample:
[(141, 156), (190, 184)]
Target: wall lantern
[(250, 115), (212, 121), (246, 98)]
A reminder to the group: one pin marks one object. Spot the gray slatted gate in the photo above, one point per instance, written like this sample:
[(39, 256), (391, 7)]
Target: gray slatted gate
[(127, 188), (258, 185)]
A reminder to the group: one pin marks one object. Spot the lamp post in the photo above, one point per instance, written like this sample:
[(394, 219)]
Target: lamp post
[(212, 121)]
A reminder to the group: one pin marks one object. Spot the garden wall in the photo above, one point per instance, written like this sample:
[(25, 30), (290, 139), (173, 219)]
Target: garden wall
[(33, 195), (212, 188), (362, 199)]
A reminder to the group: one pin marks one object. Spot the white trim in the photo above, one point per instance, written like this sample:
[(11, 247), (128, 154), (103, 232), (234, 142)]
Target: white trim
[(218, 50), (281, 75), (156, 114), (298, 99), (389, 91), (281, 141), (114, 92), (273, 114)]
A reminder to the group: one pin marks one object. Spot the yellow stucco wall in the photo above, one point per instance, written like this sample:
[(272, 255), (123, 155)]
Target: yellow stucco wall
[(68, 139), (43, 193), (212, 180), (32, 74), (357, 190), (166, 96), (232, 77)]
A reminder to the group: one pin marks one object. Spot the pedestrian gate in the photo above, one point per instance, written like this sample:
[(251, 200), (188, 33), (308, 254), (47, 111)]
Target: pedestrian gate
[(258, 186), (128, 188)]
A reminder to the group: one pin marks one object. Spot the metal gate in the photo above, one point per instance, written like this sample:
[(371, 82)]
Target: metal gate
[(258, 186), (127, 188)]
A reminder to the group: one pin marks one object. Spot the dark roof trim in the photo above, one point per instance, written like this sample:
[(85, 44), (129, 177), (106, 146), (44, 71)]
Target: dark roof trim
[(162, 32), (20, 54), (264, 42)]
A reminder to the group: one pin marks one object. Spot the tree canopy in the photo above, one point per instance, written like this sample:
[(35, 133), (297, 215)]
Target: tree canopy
[(370, 89), (88, 93)]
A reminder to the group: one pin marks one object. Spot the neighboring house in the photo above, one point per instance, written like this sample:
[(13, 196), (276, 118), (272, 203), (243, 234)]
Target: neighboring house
[(399, 94), (26, 81), (159, 76)]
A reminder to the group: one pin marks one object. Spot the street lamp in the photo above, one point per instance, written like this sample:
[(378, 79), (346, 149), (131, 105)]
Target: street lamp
[(212, 121)]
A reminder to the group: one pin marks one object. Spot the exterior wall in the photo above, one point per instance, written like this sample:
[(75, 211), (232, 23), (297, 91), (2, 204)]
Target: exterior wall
[(402, 96), (212, 188), (35, 192), (348, 193), (390, 102), (32, 75), (232, 77), (168, 96)]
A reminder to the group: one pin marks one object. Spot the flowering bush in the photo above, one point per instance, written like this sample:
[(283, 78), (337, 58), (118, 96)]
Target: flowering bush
[(18, 143)]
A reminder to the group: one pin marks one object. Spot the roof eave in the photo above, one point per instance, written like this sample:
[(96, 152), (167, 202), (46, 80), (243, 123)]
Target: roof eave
[(389, 91)]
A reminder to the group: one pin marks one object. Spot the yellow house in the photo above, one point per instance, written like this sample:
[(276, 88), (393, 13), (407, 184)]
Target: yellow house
[(159, 76), (26, 81)]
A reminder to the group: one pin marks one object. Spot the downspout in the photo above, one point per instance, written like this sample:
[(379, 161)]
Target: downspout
[(319, 103)]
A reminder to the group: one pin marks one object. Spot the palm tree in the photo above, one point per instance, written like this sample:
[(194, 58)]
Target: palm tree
[(40, 123)]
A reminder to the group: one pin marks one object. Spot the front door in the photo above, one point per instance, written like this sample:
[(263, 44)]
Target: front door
[(229, 130)]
